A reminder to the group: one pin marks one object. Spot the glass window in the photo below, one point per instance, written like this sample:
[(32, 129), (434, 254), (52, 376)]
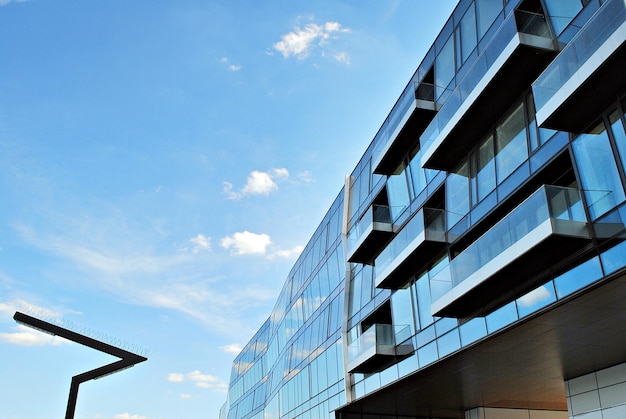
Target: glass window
[(355, 294), (422, 291), (511, 143), (364, 188), (444, 67), (354, 195), (473, 330), (467, 34), (578, 277), (614, 258), (561, 12), (484, 178), (598, 171), (501, 317), (398, 191), (367, 284), (457, 195), (402, 309), (536, 299), (618, 133), (487, 11), (418, 174)]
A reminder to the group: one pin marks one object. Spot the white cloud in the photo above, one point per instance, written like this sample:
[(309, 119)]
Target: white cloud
[(176, 378), (229, 65), (25, 336), (200, 242), (129, 416), (233, 348), (245, 243), (301, 41), (200, 380), (306, 176), (342, 57), (185, 396), (287, 253), (5, 2), (258, 183)]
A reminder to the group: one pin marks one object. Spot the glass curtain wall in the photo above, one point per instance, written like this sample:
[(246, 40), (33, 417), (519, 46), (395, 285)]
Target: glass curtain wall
[(502, 151)]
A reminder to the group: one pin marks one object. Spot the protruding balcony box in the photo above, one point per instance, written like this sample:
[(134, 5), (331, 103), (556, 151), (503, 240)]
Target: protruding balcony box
[(369, 234), (514, 255), (517, 54), (587, 75), (379, 347), (421, 239), (406, 122)]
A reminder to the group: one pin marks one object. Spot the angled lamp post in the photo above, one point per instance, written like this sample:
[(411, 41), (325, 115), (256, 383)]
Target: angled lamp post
[(127, 359)]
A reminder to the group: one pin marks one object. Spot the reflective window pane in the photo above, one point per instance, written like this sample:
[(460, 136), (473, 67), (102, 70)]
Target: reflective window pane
[(444, 67), (467, 30), (598, 171), (618, 133), (511, 143), (487, 11), (457, 194), (398, 191), (561, 12)]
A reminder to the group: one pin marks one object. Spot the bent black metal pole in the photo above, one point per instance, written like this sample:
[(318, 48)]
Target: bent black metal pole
[(127, 359)]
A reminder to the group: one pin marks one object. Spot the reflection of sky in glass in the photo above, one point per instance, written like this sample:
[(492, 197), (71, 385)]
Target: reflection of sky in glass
[(536, 299)]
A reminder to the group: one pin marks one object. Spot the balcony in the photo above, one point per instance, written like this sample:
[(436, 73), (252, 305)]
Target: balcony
[(587, 75), (379, 347), (410, 116), (420, 240), (514, 255), (516, 55), (369, 234)]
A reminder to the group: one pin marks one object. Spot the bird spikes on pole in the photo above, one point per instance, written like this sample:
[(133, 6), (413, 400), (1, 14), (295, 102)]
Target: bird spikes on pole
[(127, 359)]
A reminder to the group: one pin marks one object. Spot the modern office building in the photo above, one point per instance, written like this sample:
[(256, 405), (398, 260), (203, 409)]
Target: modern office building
[(474, 264)]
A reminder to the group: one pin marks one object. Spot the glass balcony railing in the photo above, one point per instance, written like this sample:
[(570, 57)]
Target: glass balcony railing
[(427, 224), (377, 219), (551, 210), (377, 346), (602, 35), (415, 96), (519, 28)]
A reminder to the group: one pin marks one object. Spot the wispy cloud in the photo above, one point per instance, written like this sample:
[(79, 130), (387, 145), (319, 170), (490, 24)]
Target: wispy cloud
[(246, 243), (123, 264), (129, 416), (6, 2), (199, 379), (25, 336), (229, 65), (301, 41), (287, 253), (306, 176), (233, 348), (200, 242), (258, 183)]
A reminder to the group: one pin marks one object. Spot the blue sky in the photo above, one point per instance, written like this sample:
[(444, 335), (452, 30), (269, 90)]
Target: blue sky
[(162, 164)]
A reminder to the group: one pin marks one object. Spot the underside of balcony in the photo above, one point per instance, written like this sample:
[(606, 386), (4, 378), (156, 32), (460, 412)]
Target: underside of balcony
[(604, 86), (420, 115), (503, 280)]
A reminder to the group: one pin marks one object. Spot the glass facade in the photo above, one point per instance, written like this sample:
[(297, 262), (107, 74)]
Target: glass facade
[(345, 341)]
